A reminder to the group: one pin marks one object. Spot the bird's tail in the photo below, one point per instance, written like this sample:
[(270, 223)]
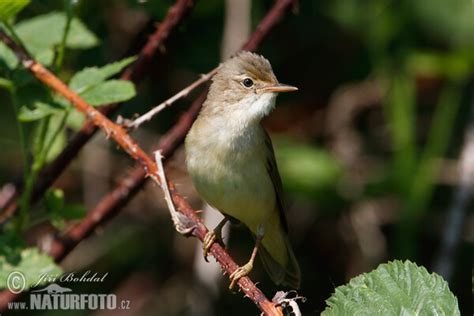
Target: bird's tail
[(279, 260)]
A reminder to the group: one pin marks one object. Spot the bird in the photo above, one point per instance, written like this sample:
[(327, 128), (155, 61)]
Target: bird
[(232, 165)]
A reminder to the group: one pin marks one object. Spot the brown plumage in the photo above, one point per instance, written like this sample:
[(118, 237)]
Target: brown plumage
[(231, 161)]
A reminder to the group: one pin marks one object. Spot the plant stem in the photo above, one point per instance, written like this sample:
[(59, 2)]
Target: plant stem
[(62, 45), (11, 30), (58, 130), (32, 175), (24, 153)]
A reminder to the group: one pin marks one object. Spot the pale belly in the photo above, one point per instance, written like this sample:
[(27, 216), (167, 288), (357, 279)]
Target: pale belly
[(236, 184)]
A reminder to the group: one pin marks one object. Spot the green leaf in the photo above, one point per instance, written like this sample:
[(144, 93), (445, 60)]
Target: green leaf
[(54, 203), (59, 136), (28, 262), (92, 76), (10, 8), (110, 91), (395, 288), (42, 33), (40, 110), (75, 120), (54, 200), (58, 211), (8, 59)]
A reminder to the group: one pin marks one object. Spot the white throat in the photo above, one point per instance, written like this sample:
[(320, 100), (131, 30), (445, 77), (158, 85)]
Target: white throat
[(253, 108)]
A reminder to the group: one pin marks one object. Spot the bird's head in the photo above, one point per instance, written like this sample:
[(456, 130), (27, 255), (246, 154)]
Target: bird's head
[(245, 87)]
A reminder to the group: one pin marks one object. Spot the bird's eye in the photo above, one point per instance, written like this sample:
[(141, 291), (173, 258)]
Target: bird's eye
[(247, 82)]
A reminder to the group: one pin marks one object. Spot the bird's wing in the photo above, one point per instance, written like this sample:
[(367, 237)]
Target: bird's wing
[(272, 170)]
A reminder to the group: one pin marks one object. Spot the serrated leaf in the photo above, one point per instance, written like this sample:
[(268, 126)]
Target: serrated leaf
[(91, 76), (10, 8), (395, 288), (110, 91), (40, 110), (42, 33), (31, 263)]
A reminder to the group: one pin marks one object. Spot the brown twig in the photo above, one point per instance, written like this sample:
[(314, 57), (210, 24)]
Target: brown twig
[(168, 102), (135, 73), (117, 133)]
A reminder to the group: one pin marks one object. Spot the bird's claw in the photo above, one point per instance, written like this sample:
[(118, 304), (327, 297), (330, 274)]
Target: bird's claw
[(209, 239), (238, 273)]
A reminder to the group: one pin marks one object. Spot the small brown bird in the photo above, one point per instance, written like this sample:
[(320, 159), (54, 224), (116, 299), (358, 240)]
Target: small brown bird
[(232, 165)]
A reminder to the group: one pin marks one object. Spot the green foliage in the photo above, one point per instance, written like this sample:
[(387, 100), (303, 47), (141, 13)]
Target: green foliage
[(90, 84), (110, 91), (10, 8), (43, 33), (8, 59), (15, 257), (59, 211), (35, 102), (92, 76), (396, 288), (47, 114), (39, 110)]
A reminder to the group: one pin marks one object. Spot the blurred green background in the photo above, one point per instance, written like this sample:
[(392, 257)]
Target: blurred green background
[(369, 149)]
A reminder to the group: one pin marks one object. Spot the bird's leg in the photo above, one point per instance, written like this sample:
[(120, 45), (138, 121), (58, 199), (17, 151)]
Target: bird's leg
[(213, 236), (246, 268)]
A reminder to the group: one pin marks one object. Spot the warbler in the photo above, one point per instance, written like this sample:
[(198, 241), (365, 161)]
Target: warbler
[(231, 161)]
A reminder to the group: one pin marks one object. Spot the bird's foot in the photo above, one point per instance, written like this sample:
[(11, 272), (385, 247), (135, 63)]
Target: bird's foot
[(210, 238), (240, 272)]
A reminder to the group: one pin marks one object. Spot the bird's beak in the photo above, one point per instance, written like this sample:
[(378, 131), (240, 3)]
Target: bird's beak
[(279, 88)]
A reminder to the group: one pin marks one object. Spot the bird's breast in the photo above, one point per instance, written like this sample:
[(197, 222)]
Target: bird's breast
[(230, 173)]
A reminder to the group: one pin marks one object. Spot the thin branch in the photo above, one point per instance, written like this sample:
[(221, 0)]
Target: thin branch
[(117, 133), (135, 73), (168, 102), (179, 221)]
